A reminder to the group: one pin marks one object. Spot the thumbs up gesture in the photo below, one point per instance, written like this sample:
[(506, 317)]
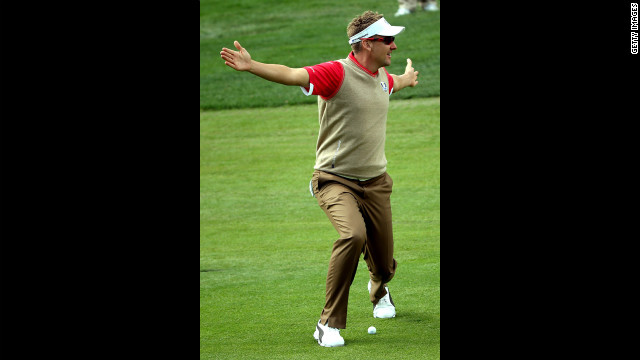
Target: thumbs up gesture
[(411, 74)]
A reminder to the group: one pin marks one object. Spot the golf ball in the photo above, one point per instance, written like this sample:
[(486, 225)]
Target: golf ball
[(371, 330)]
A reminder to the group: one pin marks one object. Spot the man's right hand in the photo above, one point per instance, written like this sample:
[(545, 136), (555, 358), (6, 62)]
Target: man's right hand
[(239, 60)]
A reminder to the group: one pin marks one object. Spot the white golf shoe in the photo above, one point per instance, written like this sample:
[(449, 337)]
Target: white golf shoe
[(328, 336), (385, 308)]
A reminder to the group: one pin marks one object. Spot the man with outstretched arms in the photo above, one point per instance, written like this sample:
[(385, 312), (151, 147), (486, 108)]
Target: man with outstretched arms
[(350, 181)]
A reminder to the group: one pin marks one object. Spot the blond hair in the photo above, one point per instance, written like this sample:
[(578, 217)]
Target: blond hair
[(360, 23)]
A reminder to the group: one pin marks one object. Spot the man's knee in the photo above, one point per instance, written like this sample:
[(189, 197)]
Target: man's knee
[(356, 238)]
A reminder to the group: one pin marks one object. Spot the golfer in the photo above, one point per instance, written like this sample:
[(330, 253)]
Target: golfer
[(350, 181)]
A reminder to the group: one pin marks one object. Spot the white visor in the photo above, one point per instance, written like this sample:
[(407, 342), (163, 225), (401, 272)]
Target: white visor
[(380, 27)]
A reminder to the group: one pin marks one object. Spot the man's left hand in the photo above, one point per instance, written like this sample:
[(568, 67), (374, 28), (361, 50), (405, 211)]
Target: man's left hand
[(411, 74)]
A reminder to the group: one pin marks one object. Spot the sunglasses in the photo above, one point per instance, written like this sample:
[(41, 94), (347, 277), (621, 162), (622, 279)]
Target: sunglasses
[(387, 39)]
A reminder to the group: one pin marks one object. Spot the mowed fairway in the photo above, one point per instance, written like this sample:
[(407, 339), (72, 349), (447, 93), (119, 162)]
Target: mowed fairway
[(265, 243)]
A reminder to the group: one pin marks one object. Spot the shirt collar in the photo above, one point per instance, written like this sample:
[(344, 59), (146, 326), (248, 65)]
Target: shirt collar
[(353, 58)]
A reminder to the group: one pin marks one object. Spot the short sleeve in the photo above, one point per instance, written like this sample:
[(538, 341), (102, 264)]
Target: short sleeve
[(324, 79)]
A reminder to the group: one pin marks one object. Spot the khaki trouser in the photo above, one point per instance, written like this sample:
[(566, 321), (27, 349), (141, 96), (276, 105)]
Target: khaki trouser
[(361, 213)]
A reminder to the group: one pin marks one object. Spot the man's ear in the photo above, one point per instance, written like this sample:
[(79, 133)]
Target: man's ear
[(366, 44)]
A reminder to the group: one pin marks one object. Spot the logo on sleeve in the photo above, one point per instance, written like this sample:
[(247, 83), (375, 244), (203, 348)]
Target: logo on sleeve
[(384, 86)]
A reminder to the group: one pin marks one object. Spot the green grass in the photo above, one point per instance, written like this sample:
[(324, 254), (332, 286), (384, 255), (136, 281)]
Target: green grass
[(265, 243), (300, 33)]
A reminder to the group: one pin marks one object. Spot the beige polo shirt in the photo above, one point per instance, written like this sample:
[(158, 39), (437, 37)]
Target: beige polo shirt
[(352, 132)]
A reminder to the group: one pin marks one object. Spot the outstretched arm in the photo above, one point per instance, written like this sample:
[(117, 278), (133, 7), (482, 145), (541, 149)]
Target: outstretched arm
[(241, 60), (409, 78)]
